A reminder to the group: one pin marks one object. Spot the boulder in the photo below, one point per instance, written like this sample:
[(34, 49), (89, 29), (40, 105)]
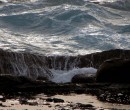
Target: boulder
[(83, 78), (114, 70), (55, 100)]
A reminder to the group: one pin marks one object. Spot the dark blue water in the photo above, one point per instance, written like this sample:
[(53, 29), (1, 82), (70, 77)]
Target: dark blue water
[(64, 27), (59, 27)]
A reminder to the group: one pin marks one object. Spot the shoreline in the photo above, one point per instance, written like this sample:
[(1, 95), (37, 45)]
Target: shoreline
[(21, 89), (41, 101), (39, 94)]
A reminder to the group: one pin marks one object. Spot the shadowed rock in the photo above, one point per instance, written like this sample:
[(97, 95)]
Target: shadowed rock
[(55, 100), (42, 78), (114, 70), (83, 78), (10, 80)]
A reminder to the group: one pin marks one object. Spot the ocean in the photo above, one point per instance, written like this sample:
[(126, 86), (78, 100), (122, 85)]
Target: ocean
[(62, 28)]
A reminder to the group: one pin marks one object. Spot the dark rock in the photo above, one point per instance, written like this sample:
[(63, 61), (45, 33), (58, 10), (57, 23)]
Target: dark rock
[(49, 100), (42, 78), (55, 100), (83, 78), (10, 80), (84, 106), (115, 96), (23, 79), (115, 71), (2, 98), (37, 65), (15, 63), (32, 103), (7, 79), (89, 60)]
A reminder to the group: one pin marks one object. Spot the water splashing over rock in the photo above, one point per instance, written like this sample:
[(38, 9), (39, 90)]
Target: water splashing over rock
[(23, 64)]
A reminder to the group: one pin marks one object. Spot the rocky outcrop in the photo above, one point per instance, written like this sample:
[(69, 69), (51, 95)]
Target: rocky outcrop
[(23, 64), (89, 60), (115, 71), (35, 65)]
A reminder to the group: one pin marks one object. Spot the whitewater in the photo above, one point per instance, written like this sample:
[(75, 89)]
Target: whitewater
[(64, 28)]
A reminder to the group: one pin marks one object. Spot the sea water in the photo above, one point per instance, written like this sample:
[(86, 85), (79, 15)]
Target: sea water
[(64, 27)]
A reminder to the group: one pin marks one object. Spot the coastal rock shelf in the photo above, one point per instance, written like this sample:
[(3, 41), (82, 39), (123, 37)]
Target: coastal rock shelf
[(15, 85), (24, 87)]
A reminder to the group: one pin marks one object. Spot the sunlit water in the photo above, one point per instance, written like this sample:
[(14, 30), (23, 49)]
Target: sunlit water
[(64, 27)]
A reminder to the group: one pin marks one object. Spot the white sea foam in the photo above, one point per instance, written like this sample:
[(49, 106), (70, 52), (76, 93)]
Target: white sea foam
[(64, 27), (66, 76)]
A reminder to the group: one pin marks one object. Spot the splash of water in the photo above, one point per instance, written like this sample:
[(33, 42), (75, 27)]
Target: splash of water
[(23, 64), (66, 76)]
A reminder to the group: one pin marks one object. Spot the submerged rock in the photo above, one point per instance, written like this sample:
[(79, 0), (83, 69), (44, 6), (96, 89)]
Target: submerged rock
[(115, 71)]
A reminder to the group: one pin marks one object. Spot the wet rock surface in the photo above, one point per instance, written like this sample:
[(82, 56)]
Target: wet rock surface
[(114, 71), (89, 60), (23, 64), (106, 89), (83, 78)]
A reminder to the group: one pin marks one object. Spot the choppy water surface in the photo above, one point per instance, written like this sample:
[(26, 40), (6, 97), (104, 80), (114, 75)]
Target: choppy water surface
[(64, 27)]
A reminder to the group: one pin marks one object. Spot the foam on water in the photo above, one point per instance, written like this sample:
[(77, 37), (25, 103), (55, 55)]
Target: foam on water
[(61, 76), (64, 27)]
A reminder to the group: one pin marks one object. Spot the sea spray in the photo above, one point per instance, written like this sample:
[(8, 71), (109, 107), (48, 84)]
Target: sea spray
[(63, 62), (61, 76), (23, 64)]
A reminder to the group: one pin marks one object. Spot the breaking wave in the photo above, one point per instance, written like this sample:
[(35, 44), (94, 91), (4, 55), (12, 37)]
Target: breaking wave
[(37, 36)]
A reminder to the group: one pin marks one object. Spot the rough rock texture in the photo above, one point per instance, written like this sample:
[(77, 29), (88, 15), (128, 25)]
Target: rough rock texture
[(34, 65), (89, 60), (114, 70), (25, 64)]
